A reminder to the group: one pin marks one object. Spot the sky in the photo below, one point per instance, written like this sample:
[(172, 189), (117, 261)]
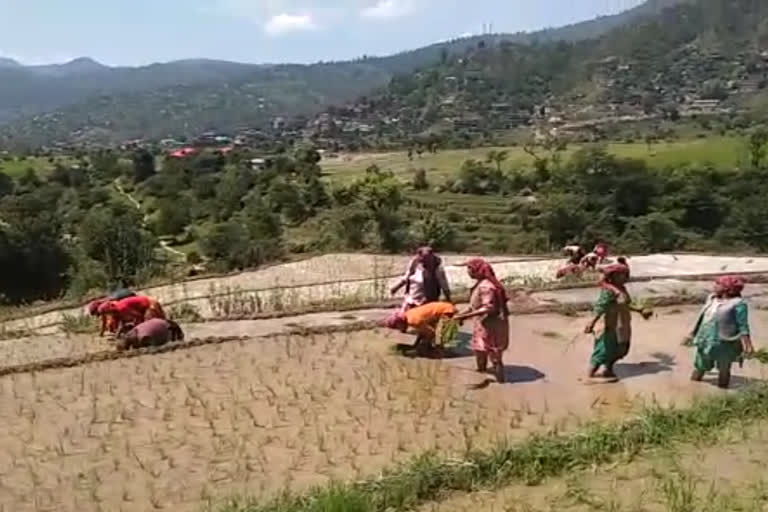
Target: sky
[(139, 32)]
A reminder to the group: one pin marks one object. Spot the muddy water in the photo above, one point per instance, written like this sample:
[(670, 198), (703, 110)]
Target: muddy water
[(174, 430), (549, 354)]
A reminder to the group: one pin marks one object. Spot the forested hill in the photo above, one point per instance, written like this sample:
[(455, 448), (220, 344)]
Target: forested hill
[(709, 54), (85, 101)]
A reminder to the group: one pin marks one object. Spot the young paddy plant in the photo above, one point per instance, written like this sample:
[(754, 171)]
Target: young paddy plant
[(429, 477)]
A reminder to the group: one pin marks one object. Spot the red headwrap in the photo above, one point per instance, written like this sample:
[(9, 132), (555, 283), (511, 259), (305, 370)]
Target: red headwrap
[(93, 307), (482, 270), (601, 250), (733, 285), (397, 321), (609, 271), (107, 307)]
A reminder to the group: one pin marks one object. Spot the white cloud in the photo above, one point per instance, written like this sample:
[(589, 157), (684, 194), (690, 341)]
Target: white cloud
[(278, 17), (285, 23), (387, 9)]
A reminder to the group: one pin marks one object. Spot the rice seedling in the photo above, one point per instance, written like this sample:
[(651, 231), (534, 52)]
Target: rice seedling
[(760, 355), (679, 492), (185, 312), (429, 477), (78, 324)]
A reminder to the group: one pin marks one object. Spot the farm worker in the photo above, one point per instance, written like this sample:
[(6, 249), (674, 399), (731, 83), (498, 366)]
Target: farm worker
[(108, 321), (601, 250), (422, 320), (574, 253), (424, 281), (590, 261), (132, 310), (490, 311), (152, 332), (614, 307), (721, 333), (573, 265)]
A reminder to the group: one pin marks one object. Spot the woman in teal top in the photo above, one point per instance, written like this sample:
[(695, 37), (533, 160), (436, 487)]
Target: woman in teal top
[(721, 334), (614, 307)]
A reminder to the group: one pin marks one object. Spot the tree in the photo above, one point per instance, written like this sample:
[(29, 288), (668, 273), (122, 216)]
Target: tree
[(654, 232), (563, 217), (350, 225), (29, 180), (33, 260), (382, 196), (435, 232), (6, 185), (498, 158), (227, 245), (173, 215), (420, 180), (757, 146), (143, 165), (113, 235)]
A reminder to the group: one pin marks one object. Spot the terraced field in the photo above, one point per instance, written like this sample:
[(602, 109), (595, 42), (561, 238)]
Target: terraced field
[(180, 429), (255, 407)]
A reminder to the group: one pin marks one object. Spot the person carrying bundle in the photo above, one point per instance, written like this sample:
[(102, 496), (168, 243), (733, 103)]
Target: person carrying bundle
[(721, 333), (423, 321), (573, 265), (151, 333), (614, 307)]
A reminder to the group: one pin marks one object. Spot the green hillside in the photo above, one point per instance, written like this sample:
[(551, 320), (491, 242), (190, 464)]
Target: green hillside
[(708, 57), (83, 101)]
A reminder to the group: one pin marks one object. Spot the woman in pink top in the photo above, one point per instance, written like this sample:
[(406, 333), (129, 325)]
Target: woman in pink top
[(424, 281), (489, 309), (152, 332)]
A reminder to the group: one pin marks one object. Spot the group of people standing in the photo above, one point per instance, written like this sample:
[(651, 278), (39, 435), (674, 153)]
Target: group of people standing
[(135, 320), (721, 334)]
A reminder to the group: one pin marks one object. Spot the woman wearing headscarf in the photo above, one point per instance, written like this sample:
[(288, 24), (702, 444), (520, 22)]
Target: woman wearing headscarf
[(489, 309), (614, 308), (152, 332), (132, 310), (721, 333), (424, 281), (422, 320), (109, 322)]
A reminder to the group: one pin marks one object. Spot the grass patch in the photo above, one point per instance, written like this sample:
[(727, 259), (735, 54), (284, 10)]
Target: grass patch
[(429, 477), (42, 166), (78, 324), (722, 152)]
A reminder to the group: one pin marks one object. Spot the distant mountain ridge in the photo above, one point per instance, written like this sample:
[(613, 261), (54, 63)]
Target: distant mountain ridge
[(83, 98), (708, 57)]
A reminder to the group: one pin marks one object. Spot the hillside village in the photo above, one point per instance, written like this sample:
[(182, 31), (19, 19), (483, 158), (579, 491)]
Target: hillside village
[(454, 117)]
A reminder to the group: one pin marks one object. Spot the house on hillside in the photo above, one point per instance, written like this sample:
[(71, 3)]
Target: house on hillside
[(184, 152)]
